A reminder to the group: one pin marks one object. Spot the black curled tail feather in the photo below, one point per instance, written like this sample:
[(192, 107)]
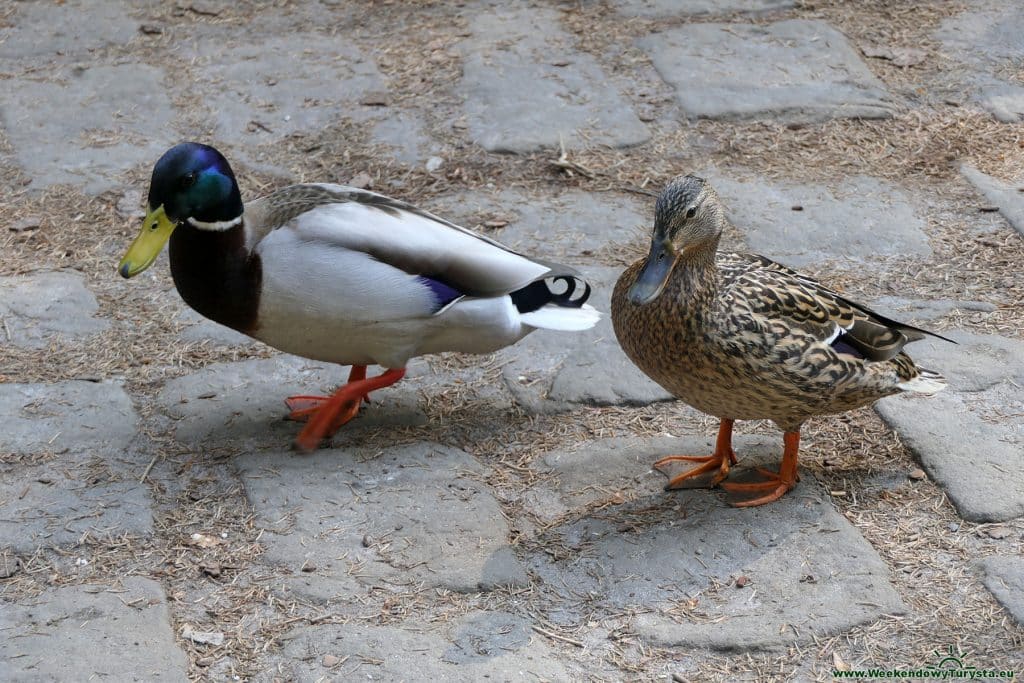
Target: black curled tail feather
[(541, 293)]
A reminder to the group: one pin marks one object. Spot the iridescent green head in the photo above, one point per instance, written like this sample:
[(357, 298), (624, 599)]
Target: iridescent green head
[(192, 183)]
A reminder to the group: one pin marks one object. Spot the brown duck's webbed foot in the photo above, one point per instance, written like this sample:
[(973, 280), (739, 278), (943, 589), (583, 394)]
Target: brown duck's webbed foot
[(720, 460), (775, 484)]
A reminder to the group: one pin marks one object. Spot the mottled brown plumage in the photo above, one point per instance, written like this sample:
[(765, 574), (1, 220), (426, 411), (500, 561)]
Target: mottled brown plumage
[(741, 337)]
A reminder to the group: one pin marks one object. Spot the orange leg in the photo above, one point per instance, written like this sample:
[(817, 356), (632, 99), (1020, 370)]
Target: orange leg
[(776, 484), (720, 460), (324, 422), (303, 406)]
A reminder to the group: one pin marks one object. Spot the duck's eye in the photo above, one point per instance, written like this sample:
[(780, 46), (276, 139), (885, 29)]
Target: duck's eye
[(187, 180), (691, 212)]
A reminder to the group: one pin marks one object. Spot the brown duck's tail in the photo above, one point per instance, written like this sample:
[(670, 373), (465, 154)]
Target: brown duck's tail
[(926, 382), (879, 338)]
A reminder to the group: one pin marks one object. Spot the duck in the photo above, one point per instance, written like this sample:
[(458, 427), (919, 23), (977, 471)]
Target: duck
[(343, 275), (741, 337)]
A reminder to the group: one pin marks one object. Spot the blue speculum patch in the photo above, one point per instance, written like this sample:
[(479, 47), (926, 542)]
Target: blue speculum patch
[(842, 347), (443, 294)]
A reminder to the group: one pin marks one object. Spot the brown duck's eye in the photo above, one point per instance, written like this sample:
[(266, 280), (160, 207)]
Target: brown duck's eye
[(188, 180), (691, 212)]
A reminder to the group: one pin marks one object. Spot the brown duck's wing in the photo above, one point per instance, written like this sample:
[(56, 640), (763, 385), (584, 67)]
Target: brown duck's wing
[(789, 299)]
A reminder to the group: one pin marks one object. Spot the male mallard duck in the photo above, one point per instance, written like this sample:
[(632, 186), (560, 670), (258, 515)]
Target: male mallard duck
[(343, 275), (741, 337)]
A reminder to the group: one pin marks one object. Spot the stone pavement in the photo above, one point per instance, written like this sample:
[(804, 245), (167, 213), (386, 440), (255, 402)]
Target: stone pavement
[(495, 518)]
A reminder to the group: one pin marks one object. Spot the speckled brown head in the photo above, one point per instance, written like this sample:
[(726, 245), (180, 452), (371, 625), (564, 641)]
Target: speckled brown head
[(688, 222)]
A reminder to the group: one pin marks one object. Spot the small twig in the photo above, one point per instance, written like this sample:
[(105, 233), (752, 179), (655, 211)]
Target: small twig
[(550, 634), (563, 162), (142, 479)]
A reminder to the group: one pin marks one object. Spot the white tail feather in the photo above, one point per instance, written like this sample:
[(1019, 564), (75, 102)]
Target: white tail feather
[(927, 382), (552, 317)]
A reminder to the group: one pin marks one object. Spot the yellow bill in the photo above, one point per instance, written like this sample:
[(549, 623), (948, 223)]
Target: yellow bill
[(156, 230)]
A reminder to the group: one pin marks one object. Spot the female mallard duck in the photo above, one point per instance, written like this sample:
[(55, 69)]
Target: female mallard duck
[(741, 337), (343, 275)]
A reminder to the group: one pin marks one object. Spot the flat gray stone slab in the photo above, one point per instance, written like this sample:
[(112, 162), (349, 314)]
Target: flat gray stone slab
[(359, 517), (1007, 196), (75, 416), (796, 70), (404, 132), (71, 499), (482, 646), (569, 227), (257, 95), (91, 632), (97, 123), (549, 371), (243, 402), (526, 86), (201, 329), (40, 308), (810, 573), (88, 489), (963, 435), (975, 363), (664, 9), (41, 29), (984, 41), (924, 310), (609, 470), (1004, 576), (968, 445), (860, 221)]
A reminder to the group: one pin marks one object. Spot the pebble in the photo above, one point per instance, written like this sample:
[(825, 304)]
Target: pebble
[(215, 638), (361, 180), (26, 224), (997, 532), (130, 204), (434, 163), (9, 566)]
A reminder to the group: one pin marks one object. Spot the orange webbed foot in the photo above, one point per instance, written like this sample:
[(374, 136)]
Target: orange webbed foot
[(720, 460), (302, 407), (776, 487), (774, 484), (341, 407), (710, 463)]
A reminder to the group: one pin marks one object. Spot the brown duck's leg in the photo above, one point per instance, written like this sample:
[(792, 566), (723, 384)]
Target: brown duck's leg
[(776, 484), (324, 422), (303, 406), (720, 460)]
